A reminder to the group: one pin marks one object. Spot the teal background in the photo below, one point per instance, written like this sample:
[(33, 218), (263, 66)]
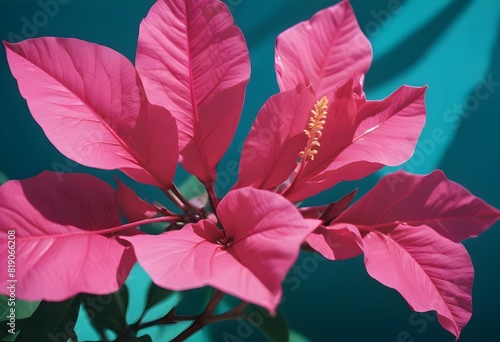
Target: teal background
[(447, 44)]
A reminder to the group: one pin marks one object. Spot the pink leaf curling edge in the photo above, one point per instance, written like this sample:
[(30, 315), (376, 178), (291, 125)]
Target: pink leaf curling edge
[(200, 254), (428, 270), (431, 200), (194, 62), (59, 251)]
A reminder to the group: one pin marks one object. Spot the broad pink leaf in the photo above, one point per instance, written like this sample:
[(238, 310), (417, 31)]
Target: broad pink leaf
[(277, 136), (194, 62), (59, 250), (87, 100), (360, 137), (131, 206), (431, 200), (323, 51), (428, 270), (245, 261), (336, 242)]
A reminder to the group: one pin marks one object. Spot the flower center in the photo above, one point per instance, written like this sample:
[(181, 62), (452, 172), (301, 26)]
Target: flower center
[(313, 131), (225, 241)]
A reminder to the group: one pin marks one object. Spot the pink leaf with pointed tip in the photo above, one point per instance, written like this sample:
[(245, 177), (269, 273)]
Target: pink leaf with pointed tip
[(131, 206), (428, 270), (87, 100), (59, 251), (336, 242), (336, 208), (431, 200), (194, 62), (277, 136), (323, 51), (361, 137), (200, 254)]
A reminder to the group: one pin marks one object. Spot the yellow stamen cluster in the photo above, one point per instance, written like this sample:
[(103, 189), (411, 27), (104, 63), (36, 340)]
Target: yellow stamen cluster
[(315, 126)]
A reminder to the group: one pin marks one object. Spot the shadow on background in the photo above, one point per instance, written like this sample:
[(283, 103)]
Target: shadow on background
[(411, 49), (481, 127)]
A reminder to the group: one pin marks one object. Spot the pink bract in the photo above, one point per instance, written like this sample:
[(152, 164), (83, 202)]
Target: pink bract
[(59, 221), (249, 259), (358, 137), (322, 52), (194, 61), (408, 227), (183, 103), (88, 101)]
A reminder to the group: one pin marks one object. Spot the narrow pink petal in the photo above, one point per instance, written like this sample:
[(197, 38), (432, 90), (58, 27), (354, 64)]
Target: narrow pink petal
[(86, 99), (131, 206), (431, 200), (246, 262), (336, 242), (336, 208), (428, 270), (360, 138), (194, 62), (272, 147), (323, 51), (58, 255)]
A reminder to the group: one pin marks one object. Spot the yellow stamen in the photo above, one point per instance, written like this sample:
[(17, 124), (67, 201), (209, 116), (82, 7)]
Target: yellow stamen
[(317, 120)]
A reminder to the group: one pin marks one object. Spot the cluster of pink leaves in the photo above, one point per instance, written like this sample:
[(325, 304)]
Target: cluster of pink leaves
[(182, 102)]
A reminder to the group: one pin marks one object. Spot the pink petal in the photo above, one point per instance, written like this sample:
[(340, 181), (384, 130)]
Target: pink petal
[(131, 206), (194, 62), (251, 266), (271, 218), (428, 270), (323, 51), (86, 99), (336, 242), (155, 142), (360, 138), (59, 251), (277, 136), (431, 200)]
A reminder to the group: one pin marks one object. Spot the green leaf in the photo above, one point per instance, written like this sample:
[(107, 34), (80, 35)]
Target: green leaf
[(24, 309), (108, 311), (274, 328), (156, 295), (144, 338), (297, 337), (3, 178), (52, 321), (192, 188)]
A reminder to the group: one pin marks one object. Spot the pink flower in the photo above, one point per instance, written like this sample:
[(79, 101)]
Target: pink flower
[(320, 130), (182, 102), (249, 258), (409, 228), (98, 110)]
